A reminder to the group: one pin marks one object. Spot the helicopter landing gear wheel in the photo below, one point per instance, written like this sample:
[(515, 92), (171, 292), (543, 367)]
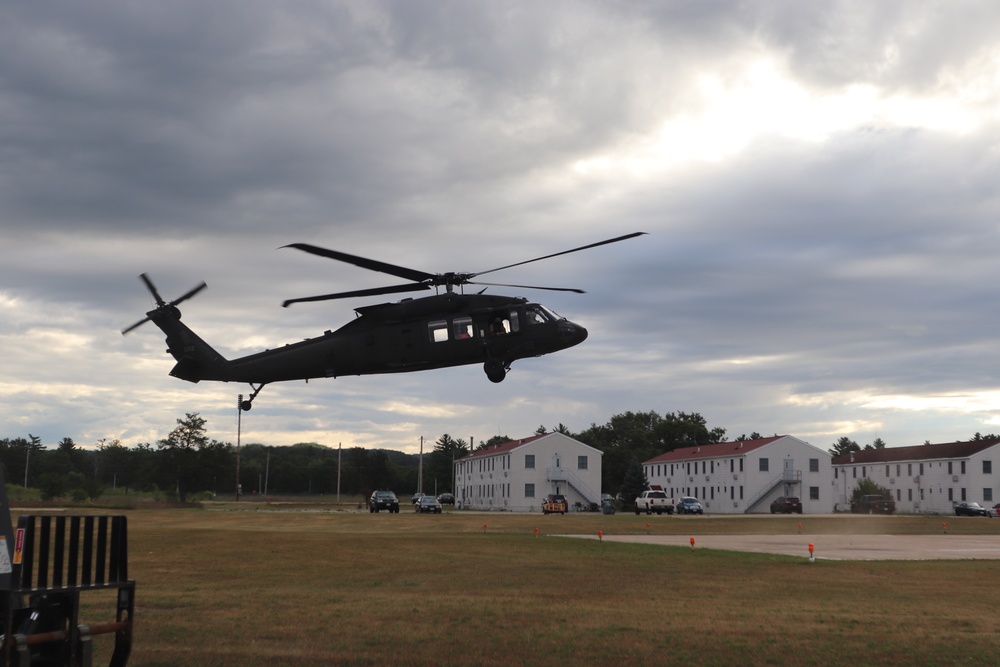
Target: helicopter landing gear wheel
[(247, 404), (495, 370)]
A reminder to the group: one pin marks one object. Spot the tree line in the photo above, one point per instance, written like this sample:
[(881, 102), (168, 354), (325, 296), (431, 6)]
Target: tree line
[(187, 464)]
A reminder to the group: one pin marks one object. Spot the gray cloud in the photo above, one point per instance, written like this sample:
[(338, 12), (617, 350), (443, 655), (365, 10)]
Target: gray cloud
[(817, 181)]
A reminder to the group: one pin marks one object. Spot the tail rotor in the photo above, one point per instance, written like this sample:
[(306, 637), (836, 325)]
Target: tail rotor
[(163, 307)]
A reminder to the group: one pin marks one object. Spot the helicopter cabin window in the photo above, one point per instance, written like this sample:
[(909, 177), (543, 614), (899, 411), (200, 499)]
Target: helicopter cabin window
[(462, 327), (438, 330), (503, 322)]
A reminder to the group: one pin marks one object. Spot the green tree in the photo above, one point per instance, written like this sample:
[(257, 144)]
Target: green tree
[(843, 446), (180, 449), (495, 440), (877, 443), (634, 482), (867, 487), (643, 435), (439, 466)]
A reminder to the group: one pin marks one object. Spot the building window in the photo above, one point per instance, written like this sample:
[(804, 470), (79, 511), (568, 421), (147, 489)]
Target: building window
[(899, 494), (897, 470), (921, 468), (949, 469), (813, 493), (963, 494), (854, 473), (988, 495), (529, 490), (962, 463), (813, 465), (864, 471), (581, 463), (887, 471), (836, 473), (987, 467), (909, 494), (909, 470), (763, 465), (529, 461), (951, 494)]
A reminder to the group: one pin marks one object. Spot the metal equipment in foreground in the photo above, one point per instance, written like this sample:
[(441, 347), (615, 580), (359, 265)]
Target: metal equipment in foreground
[(45, 567)]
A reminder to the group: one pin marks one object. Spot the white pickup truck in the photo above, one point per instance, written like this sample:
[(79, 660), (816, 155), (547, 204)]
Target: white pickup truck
[(654, 500)]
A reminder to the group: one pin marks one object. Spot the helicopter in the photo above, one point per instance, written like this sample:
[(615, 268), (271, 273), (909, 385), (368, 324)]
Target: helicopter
[(449, 328)]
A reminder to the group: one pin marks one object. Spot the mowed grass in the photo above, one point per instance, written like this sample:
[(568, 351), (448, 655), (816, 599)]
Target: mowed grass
[(231, 586)]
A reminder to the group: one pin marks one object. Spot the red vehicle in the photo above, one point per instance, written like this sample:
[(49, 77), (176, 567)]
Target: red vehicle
[(786, 505)]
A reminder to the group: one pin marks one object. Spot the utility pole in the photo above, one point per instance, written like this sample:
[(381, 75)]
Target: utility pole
[(340, 449), (420, 469), (239, 428)]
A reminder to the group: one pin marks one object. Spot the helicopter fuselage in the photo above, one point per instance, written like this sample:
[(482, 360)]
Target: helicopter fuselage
[(410, 335)]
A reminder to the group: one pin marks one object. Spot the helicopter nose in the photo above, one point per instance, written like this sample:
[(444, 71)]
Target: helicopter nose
[(571, 334)]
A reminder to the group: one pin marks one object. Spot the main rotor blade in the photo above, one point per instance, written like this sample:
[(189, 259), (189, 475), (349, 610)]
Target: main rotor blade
[(564, 252), (190, 293), (371, 264), (551, 289), (408, 287), (152, 289), (135, 326)]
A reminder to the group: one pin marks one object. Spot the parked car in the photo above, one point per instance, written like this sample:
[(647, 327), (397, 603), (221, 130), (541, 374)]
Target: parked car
[(995, 511), (383, 500), (415, 497), (689, 505), (971, 509), (786, 505), (873, 504), (446, 499), (428, 505)]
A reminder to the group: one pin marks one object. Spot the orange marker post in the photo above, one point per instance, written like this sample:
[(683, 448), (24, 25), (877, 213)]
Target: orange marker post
[(812, 556), (800, 528), (647, 529), (692, 543), (600, 535), (536, 533), (484, 527), (944, 527)]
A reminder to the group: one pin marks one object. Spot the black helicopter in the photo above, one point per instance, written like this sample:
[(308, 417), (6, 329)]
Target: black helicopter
[(447, 329)]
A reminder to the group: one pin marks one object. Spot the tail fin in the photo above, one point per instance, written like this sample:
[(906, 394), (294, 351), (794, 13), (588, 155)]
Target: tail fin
[(196, 359)]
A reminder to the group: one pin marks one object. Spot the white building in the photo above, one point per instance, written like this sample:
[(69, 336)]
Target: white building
[(925, 479), (745, 476), (516, 476)]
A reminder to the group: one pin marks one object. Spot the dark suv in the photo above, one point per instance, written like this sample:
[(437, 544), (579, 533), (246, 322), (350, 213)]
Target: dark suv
[(383, 500), (786, 505)]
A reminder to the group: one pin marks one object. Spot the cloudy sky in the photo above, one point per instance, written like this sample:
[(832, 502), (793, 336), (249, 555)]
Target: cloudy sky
[(819, 182)]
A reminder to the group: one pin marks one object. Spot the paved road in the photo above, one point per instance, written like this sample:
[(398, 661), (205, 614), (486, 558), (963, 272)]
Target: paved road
[(838, 547)]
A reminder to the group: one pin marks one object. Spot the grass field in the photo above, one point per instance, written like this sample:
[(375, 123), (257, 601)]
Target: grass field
[(285, 585)]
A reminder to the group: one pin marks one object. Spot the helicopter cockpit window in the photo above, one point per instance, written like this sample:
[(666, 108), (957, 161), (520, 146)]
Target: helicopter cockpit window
[(462, 327), (438, 331), (537, 315)]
